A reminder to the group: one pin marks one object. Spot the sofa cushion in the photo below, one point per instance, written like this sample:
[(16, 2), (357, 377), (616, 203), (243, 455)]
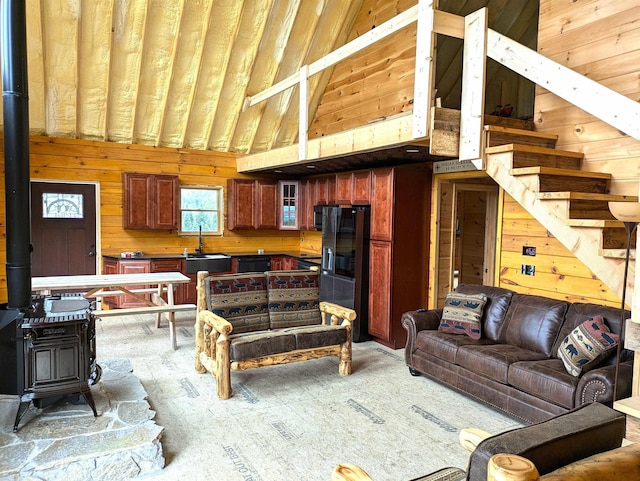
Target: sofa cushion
[(533, 322), (546, 379), (495, 310), (258, 344), (239, 298), (309, 337), (444, 345), (294, 298), (462, 314), (584, 347), (493, 360)]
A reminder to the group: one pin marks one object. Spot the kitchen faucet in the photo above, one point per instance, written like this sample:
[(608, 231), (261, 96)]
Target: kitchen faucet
[(199, 249)]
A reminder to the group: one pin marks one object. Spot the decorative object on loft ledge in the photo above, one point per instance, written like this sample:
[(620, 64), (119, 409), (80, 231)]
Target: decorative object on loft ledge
[(629, 214)]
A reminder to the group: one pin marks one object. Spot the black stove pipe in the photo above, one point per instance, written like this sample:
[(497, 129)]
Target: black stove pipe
[(15, 98)]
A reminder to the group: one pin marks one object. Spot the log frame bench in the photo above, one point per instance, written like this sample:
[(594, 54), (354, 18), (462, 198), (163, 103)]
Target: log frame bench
[(256, 332)]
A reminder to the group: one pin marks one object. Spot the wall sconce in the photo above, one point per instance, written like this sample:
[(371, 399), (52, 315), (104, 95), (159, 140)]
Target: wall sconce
[(629, 214)]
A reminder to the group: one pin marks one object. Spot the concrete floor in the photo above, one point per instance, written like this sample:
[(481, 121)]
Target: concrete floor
[(289, 422)]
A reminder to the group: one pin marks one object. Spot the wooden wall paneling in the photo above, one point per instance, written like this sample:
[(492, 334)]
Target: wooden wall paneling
[(59, 159), (558, 274), (603, 47)]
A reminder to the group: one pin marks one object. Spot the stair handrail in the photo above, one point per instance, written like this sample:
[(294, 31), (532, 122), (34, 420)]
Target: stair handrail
[(594, 98)]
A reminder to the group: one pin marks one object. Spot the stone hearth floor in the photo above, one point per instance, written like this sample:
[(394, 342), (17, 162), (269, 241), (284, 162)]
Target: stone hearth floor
[(64, 441)]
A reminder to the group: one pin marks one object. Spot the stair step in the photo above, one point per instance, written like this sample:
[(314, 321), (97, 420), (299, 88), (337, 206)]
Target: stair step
[(584, 205), (616, 238), (551, 179), (533, 156), (499, 135)]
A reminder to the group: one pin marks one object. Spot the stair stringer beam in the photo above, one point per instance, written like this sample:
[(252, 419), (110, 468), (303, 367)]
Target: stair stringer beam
[(583, 242)]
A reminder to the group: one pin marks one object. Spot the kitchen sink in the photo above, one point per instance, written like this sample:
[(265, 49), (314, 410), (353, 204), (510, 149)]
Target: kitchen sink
[(214, 262)]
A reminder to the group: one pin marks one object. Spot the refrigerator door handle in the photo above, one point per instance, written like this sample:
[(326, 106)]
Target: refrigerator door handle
[(327, 258)]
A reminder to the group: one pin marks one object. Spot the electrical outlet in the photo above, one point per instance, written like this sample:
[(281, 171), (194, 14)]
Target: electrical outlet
[(528, 270)]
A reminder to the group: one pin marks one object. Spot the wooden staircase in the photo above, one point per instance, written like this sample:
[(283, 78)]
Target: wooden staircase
[(532, 171)]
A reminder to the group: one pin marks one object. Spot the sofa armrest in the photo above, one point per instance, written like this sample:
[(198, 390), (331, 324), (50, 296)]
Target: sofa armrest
[(336, 312), (416, 321), (597, 385), (565, 438)]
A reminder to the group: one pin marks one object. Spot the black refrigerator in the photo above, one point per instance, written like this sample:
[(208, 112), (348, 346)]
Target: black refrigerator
[(344, 277)]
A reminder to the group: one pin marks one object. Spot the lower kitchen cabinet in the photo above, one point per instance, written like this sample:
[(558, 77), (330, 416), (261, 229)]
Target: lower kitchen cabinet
[(184, 293), (129, 266), (380, 270)]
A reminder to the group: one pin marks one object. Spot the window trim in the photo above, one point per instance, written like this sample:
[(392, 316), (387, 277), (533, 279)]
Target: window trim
[(220, 192)]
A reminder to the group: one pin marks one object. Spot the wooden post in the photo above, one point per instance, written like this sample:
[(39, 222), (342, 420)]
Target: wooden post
[(201, 304), (423, 81), (303, 117), (223, 367), (473, 85)]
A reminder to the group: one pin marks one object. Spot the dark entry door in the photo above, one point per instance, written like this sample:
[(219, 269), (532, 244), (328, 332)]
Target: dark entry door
[(63, 229)]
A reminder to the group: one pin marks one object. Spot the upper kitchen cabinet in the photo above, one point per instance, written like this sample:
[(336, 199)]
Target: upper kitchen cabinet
[(353, 188), (307, 202), (252, 204), (150, 201), (325, 190)]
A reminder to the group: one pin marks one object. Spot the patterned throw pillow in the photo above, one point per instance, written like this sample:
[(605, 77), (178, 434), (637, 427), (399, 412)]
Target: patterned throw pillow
[(462, 314), (586, 345)]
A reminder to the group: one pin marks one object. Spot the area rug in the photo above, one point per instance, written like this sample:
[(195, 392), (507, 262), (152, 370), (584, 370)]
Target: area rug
[(64, 441), (295, 421)]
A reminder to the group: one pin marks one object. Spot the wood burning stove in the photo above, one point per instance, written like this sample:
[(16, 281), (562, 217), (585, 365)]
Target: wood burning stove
[(59, 350), (47, 343)]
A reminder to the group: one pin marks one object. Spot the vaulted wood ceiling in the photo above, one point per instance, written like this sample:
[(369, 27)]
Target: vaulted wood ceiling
[(176, 72)]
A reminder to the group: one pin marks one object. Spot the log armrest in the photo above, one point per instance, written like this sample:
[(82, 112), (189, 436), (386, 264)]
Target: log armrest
[(335, 313)]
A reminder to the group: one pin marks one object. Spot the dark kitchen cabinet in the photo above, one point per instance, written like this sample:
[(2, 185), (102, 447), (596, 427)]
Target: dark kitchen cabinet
[(150, 201), (398, 249), (252, 204)]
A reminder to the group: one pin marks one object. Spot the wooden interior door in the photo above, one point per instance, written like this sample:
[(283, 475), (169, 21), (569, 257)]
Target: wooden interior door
[(63, 229), (475, 210)]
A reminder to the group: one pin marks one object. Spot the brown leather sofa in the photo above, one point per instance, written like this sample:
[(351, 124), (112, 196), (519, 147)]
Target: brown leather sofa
[(514, 365)]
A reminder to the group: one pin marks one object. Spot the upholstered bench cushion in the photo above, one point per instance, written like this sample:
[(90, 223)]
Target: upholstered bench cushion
[(309, 337), (239, 298), (258, 344), (294, 298)]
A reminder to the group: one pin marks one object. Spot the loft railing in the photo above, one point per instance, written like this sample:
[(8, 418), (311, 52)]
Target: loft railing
[(480, 42)]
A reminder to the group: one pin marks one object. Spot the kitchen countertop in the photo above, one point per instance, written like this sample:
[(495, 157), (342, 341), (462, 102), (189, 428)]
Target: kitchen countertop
[(297, 255)]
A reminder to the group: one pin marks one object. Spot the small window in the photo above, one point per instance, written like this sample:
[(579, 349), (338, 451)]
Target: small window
[(201, 209), (62, 206)]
